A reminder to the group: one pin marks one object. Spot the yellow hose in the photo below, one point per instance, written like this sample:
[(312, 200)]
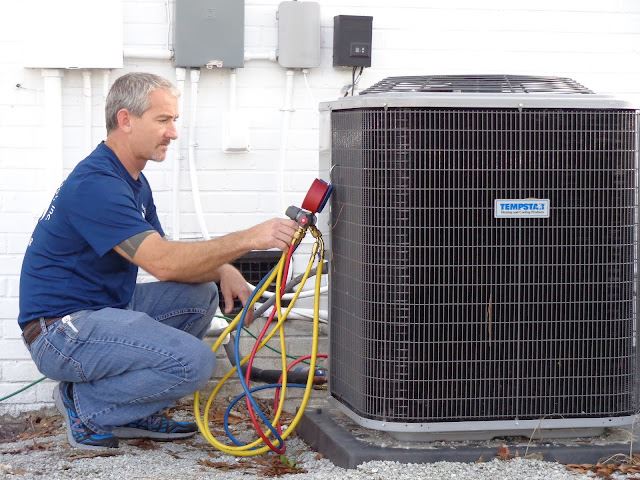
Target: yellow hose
[(202, 420)]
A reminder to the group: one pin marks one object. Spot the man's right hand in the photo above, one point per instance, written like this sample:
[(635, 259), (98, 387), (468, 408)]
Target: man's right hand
[(274, 233)]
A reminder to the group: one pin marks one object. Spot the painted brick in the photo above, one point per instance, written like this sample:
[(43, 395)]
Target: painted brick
[(10, 328), (236, 181), (19, 222), (28, 396), (23, 95), (222, 223), (589, 40), (20, 371), (44, 391), (13, 349), (229, 161), (10, 264), (17, 202), (232, 202), (17, 242), (12, 286), (144, 12), (260, 15), (299, 181), (20, 115), (18, 136), (145, 34), (24, 180)]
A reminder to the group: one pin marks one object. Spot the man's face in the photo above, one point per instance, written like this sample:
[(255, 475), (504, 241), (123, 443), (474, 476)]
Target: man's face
[(152, 132)]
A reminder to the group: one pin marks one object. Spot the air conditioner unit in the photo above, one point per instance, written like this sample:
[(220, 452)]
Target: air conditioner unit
[(484, 239)]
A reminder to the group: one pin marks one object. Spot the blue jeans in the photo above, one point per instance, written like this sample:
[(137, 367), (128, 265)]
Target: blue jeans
[(128, 363)]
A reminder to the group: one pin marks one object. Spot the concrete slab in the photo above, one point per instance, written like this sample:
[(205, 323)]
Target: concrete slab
[(348, 445)]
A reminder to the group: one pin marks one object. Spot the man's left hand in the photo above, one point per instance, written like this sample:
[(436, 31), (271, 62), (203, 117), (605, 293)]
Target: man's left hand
[(232, 286)]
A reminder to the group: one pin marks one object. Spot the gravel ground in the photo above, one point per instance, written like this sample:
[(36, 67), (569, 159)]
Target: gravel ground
[(39, 450), (196, 460)]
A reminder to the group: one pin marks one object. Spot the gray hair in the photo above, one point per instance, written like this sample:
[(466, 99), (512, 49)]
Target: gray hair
[(131, 91)]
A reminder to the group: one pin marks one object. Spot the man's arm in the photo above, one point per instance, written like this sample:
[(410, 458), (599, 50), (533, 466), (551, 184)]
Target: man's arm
[(195, 262)]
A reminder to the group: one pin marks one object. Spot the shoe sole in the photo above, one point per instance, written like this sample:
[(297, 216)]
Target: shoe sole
[(57, 397), (128, 432)]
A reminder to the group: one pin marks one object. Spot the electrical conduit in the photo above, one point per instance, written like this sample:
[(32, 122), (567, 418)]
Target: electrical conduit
[(194, 76), (177, 160), (287, 108)]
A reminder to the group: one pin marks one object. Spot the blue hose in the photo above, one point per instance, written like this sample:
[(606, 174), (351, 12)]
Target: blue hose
[(245, 387), (240, 397)]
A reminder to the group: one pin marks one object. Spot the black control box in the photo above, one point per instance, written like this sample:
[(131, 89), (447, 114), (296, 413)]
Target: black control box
[(352, 41)]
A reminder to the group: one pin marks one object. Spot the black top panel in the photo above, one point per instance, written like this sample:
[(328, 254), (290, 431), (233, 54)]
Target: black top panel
[(477, 84)]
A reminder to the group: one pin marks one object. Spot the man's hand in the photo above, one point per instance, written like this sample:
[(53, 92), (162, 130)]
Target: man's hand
[(232, 286), (274, 233)]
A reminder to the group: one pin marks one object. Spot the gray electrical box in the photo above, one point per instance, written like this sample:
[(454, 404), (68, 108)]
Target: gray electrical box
[(209, 33), (352, 41), (299, 34)]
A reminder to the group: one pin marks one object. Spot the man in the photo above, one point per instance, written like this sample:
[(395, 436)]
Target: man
[(124, 351)]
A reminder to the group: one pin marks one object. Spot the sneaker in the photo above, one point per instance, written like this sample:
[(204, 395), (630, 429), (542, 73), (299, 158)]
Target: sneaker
[(78, 434), (157, 427)]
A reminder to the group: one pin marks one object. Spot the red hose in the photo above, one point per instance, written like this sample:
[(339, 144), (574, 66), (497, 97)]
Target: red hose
[(256, 424)]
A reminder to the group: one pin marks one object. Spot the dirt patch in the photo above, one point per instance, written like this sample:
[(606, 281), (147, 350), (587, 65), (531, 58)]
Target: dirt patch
[(28, 426)]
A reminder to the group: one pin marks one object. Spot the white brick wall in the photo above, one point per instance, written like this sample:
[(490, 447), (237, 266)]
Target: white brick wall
[(593, 41)]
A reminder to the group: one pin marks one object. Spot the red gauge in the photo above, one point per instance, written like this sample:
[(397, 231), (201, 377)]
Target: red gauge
[(317, 196)]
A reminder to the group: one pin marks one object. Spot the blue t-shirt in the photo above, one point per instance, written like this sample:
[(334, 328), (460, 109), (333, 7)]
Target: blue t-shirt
[(70, 263)]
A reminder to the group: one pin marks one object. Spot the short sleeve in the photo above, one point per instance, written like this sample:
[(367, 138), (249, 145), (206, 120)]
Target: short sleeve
[(103, 210), (152, 218)]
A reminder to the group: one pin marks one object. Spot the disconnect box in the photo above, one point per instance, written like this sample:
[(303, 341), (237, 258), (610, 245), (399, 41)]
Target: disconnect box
[(352, 41), (209, 33), (299, 34)]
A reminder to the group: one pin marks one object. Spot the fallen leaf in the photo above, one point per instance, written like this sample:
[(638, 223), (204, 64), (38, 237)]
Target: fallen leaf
[(29, 448), (503, 452), (580, 468), (604, 470), (222, 465), (273, 466), (97, 453), (625, 468), (143, 443)]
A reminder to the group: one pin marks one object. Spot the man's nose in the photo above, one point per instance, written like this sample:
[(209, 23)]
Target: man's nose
[(172, 131)]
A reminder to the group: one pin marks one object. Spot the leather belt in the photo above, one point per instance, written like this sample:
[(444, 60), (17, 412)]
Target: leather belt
[(33, 328)]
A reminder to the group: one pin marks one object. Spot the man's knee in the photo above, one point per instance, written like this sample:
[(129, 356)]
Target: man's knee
[(207, 295), (201, 369)]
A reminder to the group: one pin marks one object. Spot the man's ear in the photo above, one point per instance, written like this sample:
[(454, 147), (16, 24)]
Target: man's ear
[(124, 119)]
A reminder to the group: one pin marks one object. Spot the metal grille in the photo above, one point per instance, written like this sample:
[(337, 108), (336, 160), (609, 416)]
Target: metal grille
[(477, 84), (441, 312)]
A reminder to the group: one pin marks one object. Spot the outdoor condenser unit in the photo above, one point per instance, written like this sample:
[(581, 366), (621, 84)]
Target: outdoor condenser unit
[(484, 239)]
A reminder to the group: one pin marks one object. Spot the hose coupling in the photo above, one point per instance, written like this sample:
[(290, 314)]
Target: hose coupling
[(304, 218), (300, 232), (315, 232)]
